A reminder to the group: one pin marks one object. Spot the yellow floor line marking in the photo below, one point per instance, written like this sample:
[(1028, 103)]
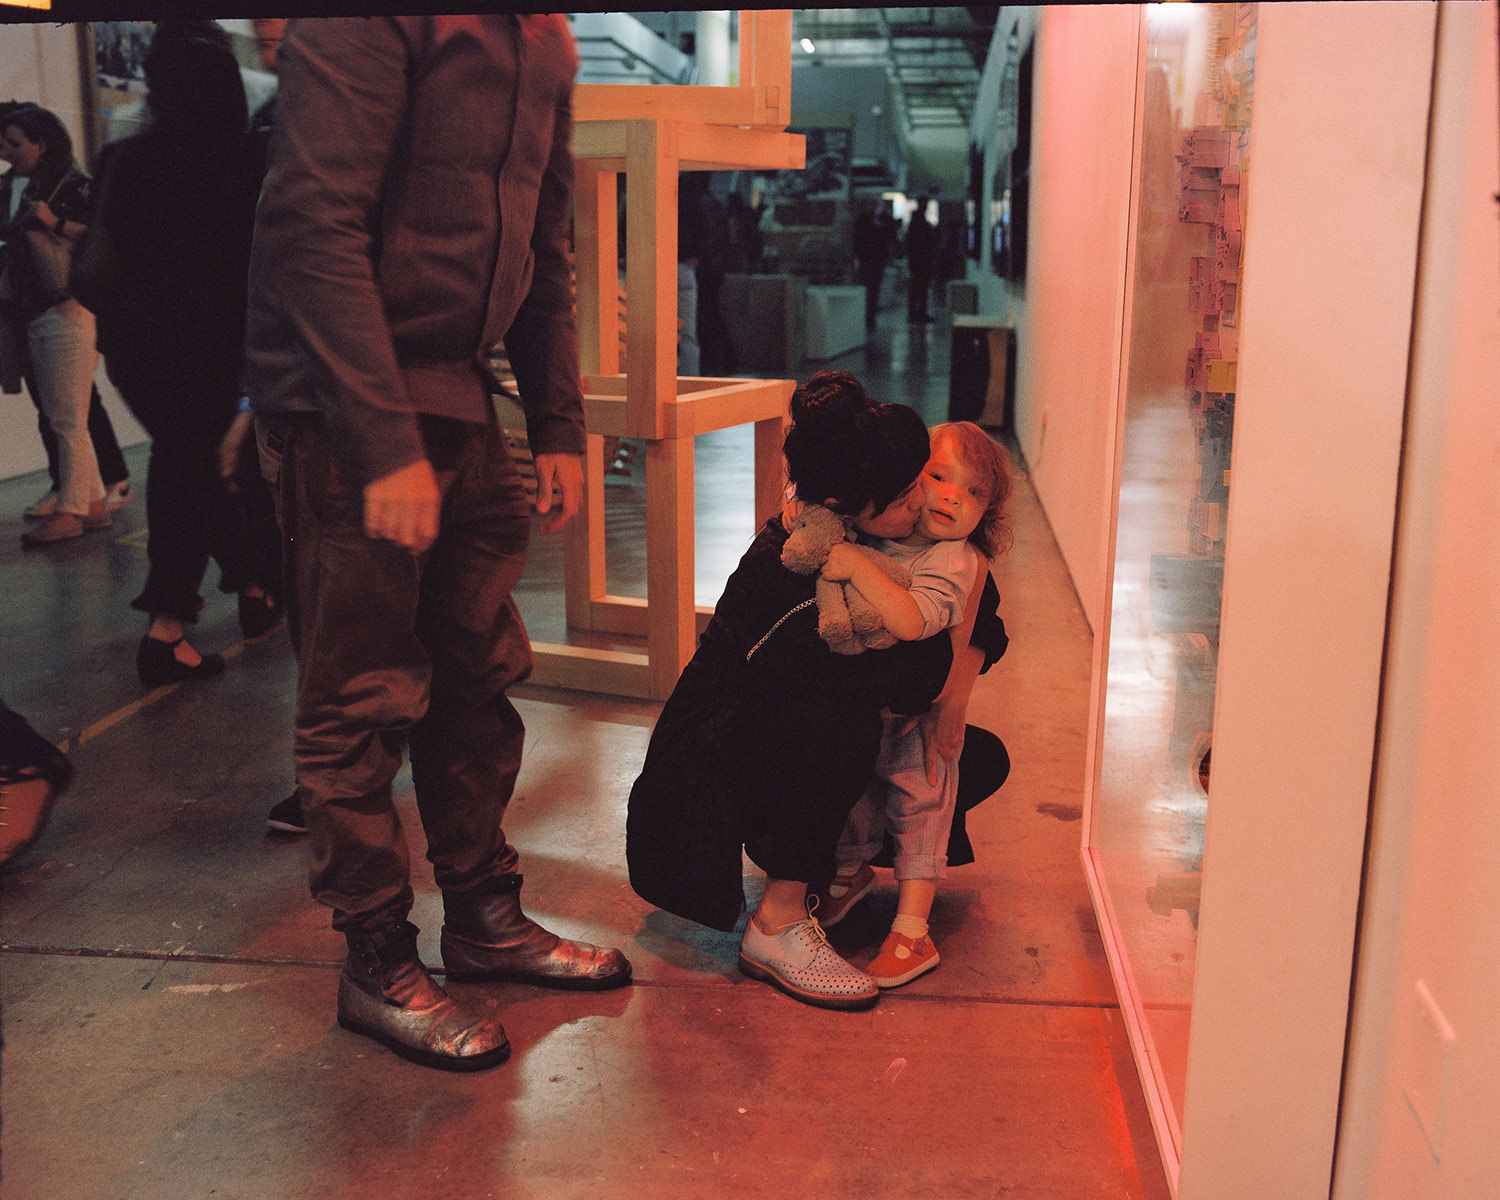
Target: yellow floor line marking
[(104, 724)]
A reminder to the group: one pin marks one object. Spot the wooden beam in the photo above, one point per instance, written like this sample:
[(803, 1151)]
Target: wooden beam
[(583, 542), (602, 140), (617, 672), (630, 615), (651, 274), (604, 264), (721, 408), (586, 299), (669, 560), (770, 467), (758, 107), (724, 147), (766, 58), (725, 404), (606, 145)]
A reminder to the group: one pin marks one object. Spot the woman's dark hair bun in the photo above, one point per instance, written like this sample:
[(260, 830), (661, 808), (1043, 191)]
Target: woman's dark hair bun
[(845, 446), (829, 397)]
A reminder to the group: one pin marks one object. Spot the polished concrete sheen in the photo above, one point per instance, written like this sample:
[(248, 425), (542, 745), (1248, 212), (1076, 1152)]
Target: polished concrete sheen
[(168, 986)]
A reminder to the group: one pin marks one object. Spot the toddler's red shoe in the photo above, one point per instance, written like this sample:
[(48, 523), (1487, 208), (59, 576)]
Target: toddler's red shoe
[(902, 959)]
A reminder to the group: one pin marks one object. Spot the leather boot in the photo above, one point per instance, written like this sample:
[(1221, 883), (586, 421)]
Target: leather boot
[(386, 993), (487, 936)]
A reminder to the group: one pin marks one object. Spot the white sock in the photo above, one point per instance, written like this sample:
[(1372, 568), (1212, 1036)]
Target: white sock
[(909, 926)]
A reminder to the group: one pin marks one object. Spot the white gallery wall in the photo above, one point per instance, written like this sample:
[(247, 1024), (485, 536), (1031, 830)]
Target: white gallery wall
[(1069, 341), (1337, 148), (1420, 1105), (1349, 93)]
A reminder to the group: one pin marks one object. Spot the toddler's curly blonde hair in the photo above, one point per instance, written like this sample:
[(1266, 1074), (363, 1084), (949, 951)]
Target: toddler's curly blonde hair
[(984, 456)]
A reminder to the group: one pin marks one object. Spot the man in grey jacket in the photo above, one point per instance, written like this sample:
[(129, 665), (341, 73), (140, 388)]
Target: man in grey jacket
[(415, 214)]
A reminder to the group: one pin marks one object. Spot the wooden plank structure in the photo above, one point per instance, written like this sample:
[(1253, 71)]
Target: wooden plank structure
[(649, 134)]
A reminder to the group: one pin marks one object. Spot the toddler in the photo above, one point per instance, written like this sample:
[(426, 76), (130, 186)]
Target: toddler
[(965, 483)]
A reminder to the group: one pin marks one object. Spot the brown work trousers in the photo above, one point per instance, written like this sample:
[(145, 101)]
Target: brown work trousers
[(397, 651)]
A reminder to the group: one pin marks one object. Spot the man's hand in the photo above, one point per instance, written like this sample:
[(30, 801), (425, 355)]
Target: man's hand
[(565, 473), (230, 448), (402, 507)]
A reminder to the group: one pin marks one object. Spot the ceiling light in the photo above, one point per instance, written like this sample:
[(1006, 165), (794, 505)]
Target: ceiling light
[(807, 45)]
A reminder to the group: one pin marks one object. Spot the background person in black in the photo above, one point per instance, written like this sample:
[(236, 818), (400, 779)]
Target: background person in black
[(178, 207), (921, 258), (874, 245)]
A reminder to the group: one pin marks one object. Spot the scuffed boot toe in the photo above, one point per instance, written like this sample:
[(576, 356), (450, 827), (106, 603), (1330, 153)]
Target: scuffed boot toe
[(385, 993), (486, 936), (441, 1034), (565, 964)]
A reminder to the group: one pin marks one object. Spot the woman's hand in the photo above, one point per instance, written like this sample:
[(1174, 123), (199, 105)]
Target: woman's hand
[(942, 729), (37, 214), (945, 739)]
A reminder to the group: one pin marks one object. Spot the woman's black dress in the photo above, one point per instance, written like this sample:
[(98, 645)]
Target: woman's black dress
[(766, 742)]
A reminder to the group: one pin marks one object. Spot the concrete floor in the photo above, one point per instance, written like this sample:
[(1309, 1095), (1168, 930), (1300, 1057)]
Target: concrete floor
[(167, 985)]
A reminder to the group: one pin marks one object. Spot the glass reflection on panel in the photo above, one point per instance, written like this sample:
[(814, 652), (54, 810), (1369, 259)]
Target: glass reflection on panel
[(1155, 755)]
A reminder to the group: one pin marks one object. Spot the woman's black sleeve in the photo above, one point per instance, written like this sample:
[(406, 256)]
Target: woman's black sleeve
[(989, 630)]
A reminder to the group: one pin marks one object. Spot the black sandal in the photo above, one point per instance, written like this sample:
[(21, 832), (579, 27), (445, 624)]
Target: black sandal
[(157, 663), (259, 615)]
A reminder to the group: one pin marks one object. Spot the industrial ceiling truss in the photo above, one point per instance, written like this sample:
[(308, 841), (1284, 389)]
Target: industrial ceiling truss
[(932, 56)]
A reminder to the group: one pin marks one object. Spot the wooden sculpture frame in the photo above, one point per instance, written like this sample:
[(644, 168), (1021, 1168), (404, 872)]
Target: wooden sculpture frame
[(649, 134)]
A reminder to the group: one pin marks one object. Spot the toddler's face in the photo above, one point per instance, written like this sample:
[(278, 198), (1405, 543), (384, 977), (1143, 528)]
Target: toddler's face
[(955, 495)]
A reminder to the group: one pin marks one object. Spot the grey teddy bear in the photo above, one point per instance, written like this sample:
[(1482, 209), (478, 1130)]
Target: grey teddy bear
[(847, 621)]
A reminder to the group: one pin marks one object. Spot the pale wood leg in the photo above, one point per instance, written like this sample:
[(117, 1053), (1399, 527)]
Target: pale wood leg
[(598, 324), (671, 629), (650, 275), (770, 468), (583, 564), (590, 303)]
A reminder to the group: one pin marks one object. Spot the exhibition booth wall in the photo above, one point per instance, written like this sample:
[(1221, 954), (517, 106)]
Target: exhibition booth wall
[(1278, 336)]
